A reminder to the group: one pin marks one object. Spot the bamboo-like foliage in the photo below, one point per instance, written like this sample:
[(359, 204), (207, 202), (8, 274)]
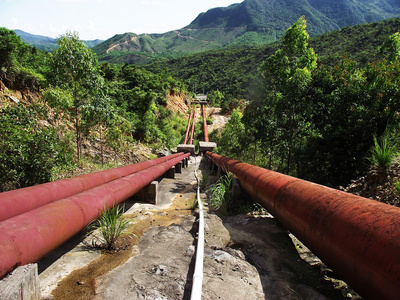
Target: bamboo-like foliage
[(109, 227), (219, 193)]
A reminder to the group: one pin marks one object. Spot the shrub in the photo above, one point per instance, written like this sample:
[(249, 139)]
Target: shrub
[(396, 187), (29, 153), (219, 193), (383, 152), (108, 227)]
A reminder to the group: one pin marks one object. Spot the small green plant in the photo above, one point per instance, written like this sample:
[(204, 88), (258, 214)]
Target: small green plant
[(204, 180), (108, 227), (383, 152), (219, 193), (396, 187)]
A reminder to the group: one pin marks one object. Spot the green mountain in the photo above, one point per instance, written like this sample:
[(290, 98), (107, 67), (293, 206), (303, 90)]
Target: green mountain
[(232, 70), (252, 22), (47, 43)]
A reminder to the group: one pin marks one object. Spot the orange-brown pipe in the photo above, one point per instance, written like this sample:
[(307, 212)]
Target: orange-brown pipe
[(26, 238), (13, 203), (205, 123), (187, 129), (194, 119), (357, 237)]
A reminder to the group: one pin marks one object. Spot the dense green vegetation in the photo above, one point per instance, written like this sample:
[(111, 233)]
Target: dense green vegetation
[(111, 105), (301, 109), (313, 121), (234, 71)]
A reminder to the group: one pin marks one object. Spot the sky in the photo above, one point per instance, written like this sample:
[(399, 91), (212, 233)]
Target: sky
[(102, 19)]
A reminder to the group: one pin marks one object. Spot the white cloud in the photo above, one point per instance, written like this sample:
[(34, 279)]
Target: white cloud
[(91, 26), (14, 22)]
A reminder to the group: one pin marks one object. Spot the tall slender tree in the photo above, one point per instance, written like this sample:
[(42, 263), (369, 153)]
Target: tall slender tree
[(286, 75), (76, 69)]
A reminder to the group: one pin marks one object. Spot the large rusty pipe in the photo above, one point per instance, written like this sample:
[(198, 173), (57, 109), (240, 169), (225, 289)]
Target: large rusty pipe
[(13, 203), (205, 123), (194, 119), (357, 237), (28, 237), (187, 129)]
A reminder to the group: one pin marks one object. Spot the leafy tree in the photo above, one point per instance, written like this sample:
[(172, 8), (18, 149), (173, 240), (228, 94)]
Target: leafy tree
[(231, 139), (9, 43), (286, 76), (75, 69), (215, 98), (390, 48), (21, 66), (29, 153)]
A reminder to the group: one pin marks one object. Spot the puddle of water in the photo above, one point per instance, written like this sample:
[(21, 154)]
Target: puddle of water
[(81, 283)]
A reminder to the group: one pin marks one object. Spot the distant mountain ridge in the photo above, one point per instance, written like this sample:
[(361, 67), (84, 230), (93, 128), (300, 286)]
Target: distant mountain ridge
[(251, 22), (46, 43)]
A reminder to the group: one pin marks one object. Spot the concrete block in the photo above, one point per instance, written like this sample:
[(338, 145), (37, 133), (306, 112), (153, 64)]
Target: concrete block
[(186, 160), (148, 194), (170, 173), (152, 189), (207, 146), (236, 190), (21, 284), (186, 148), (178, 167)]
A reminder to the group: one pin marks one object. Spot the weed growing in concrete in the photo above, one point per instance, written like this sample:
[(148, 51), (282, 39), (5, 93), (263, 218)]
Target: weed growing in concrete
[(109, 227), (219, 193)]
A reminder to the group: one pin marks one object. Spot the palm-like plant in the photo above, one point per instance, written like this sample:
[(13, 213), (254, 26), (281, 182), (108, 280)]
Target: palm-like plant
[(383, 152), (109, 226)]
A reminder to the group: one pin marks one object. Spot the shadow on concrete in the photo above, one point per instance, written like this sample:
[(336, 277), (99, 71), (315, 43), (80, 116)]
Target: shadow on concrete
[(189, 276), (283, 273), (57, 253)]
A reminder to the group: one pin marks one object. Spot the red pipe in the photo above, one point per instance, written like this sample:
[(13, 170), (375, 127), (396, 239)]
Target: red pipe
[(357, 237), (194, 119), (13, 203), (205, 123), (187, 129), (28, 237)]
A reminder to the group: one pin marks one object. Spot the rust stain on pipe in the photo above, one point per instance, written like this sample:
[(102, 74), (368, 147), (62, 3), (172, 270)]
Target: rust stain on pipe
[(13, 203), (29, 236), (357, 237)]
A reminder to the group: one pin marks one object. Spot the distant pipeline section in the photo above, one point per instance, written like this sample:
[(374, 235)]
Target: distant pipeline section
[(205, 145), (357, 237)]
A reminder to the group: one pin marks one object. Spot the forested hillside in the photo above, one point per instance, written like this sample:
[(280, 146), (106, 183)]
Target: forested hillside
[(324, 123), (301, 108), (64, 110), (249, 23), (45, 43), (233, 71)]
